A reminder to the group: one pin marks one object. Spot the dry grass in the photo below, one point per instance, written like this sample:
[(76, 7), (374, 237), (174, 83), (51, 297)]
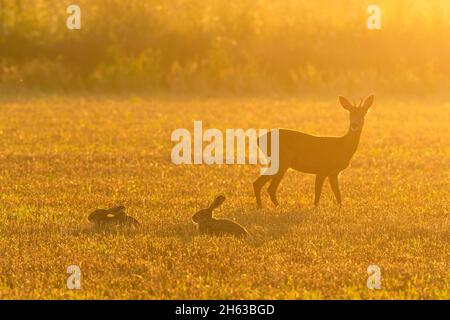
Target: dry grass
[(61, 158)]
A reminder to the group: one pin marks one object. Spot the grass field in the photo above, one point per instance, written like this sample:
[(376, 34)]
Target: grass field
[(62, 157)]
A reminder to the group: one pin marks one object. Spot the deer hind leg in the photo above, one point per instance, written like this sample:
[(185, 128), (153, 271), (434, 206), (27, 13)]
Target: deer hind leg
[(272, 190), (318, 187), (334, 183), (257, 186)]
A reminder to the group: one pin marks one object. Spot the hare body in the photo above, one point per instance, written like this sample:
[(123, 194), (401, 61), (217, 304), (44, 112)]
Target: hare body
[(112, 216), (220, 227), (207, 225)]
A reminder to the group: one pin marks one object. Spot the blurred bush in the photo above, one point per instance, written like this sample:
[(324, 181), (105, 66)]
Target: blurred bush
[(232, 46)]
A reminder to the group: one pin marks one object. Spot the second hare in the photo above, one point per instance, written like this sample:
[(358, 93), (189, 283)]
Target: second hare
[(112, 217), (207, 225)]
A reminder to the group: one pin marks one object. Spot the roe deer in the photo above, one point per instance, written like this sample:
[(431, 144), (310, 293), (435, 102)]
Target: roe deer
[(322, 156)]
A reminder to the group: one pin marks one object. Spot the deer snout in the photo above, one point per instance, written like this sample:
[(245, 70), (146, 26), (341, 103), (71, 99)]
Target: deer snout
[(354, 125)]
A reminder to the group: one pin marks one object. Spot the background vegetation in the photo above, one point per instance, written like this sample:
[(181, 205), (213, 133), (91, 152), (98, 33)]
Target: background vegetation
[(231, 46)]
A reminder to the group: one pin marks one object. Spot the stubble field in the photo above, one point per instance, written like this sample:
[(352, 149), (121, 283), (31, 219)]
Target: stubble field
[(62, 157)]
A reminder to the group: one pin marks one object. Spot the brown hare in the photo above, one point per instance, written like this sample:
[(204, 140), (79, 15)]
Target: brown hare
[(112, 217), (207, 225)]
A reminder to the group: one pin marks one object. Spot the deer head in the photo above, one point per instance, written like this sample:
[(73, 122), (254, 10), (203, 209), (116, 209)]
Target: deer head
[(357, 113)]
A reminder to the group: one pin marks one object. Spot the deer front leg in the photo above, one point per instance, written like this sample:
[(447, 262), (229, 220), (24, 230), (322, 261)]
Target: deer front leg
[(318, 188), (334, 183), (257, 186), (272, 190)]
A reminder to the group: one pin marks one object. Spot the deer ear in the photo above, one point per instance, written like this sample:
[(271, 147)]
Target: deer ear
[(368, 103), (345, 103)]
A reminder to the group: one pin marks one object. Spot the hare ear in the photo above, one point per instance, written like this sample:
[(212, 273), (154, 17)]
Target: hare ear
[(117, 209), (345, 103), (93, 215), (217, 202)]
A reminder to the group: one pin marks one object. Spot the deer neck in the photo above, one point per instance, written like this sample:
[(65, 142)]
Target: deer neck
[(351, 140)]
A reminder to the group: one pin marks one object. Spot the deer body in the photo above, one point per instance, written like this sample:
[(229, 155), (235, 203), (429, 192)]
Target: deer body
[(322, 156), (315, 154)]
